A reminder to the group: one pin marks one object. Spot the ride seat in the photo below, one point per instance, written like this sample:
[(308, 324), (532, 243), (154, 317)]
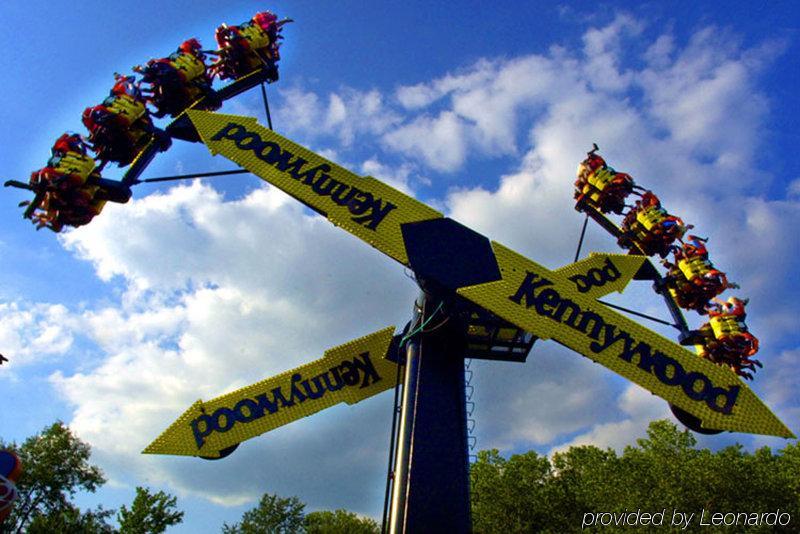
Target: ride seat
[(256, 37), (189, 66), (601, 178), (726, 326), (125, 106), (651, 217), (694, 267), (74, 163)]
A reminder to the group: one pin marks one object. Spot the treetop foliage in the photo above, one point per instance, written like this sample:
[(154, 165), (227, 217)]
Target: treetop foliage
[(279, 515), (524, 493), (531, 493), (55, 466), (149, 513)]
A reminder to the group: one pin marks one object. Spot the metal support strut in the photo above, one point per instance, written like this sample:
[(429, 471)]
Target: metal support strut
[(431, 475)]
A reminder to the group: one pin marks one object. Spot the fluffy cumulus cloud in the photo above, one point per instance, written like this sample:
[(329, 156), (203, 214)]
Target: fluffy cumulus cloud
[(218, 293), (35, 333), (656, 130), (439, 140), (602, 48), (343, 115), (684, 118), (637, 408), (554, 393), (396, 176), (783, 387)]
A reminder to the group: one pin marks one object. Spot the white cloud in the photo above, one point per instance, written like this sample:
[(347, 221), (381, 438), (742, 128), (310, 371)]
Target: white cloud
[(485, 102), (226, 293), (417, 96), (556, 392), (300, 110), (793, 189), (347, 114), (438, 141), (221, 293), (602, 47), (34, 333), (659, 54), (424, 94), (639, 408), (395, 176), (788, 386), (682, 115)]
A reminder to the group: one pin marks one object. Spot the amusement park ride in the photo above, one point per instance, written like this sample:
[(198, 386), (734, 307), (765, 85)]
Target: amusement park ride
[(479, 299), (10, 470)]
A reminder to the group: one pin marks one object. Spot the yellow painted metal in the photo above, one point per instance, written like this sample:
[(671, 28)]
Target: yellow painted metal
[(359, 368), (374, 211), (600, 274), (533, 298)]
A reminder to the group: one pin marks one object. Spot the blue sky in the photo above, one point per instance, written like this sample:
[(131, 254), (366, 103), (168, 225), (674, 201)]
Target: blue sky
[(483, 111)]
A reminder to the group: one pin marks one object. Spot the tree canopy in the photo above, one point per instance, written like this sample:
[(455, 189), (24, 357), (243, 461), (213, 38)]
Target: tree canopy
[(273, 514), (531, 493), (149, 513), (339, 521), (528, 492), (55, 467), (279, 515)]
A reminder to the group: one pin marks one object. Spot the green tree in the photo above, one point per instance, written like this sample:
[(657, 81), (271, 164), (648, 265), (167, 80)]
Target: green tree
[(55, 467), (273, 514), (339, 522), (71, 520), (513, 493), (583, 478), (149, 513), (664, 471)]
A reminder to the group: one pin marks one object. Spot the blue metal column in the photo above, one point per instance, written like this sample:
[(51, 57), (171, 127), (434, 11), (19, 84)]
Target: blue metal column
[(431, 485)]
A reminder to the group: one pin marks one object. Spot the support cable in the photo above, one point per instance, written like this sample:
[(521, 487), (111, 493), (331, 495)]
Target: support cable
[(266, 104), (438, 326), (580, 241), (644, 316), (190, 176)]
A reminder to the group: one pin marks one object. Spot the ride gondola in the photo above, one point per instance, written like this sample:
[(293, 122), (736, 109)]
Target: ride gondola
[(70, 191), (692, 282)]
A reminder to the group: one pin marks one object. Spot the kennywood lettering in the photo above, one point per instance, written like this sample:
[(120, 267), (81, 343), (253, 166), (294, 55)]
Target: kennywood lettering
[(367, 210), (359, 371), (547, 302), (596, 277)]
